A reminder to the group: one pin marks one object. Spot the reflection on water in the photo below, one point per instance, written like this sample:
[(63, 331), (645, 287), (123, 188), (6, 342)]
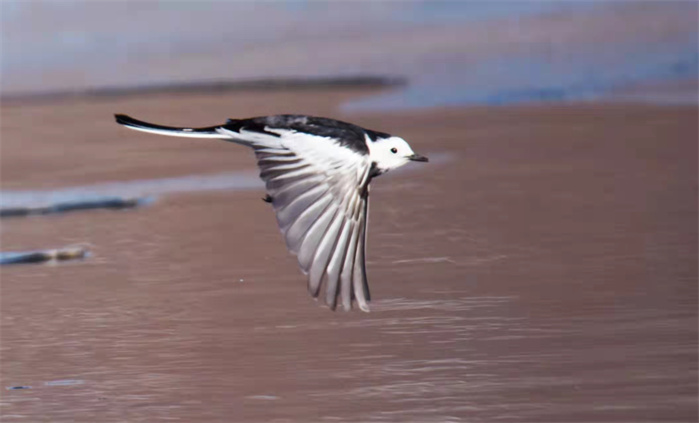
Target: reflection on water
[(104, 192), (64, 382)]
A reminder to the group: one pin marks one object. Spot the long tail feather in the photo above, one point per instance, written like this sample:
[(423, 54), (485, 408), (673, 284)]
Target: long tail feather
[(139, 125)]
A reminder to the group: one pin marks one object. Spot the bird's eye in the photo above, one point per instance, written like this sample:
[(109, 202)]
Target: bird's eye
[(394, 150)]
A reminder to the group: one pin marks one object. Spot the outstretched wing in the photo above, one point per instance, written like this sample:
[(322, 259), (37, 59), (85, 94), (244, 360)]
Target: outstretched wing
[(319, 191)]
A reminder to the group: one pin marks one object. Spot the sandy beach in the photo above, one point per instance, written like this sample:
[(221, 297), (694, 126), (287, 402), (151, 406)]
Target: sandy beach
[(543, 267)]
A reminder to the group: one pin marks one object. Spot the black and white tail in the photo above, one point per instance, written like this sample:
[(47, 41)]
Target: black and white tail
[(139, 125)]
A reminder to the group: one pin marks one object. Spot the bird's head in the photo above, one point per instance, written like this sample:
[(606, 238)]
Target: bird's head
[(392, 153)]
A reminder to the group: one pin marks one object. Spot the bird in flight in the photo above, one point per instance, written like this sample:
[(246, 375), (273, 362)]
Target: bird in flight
[(317, 173)]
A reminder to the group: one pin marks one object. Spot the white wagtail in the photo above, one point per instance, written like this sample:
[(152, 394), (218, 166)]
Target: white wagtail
[(317, 173)]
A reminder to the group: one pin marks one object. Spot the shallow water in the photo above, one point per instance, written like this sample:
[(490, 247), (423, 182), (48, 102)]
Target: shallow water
[(539, 277)]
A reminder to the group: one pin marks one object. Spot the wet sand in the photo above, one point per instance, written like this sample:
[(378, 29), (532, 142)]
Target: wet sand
[(547, 272)]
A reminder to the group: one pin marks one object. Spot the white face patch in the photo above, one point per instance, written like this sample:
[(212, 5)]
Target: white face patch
[(389, 153)]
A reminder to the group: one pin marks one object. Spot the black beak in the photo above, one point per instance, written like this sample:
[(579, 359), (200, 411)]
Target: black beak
[(418, 158)]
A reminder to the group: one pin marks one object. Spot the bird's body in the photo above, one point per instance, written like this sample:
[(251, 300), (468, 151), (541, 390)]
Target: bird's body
[(317, 173)]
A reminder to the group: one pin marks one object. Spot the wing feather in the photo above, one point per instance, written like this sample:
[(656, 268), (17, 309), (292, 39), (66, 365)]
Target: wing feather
[(313, 238), (292, 209), (283, 193), (296, 232), (348, 268), (323, 253), (359, 281), (281, 169), (264, 157), (335, 265), (316, 187)]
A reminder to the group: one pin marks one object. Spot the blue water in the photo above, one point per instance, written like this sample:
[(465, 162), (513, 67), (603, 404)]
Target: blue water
[(466, 12), (70, 45), (521, 78)]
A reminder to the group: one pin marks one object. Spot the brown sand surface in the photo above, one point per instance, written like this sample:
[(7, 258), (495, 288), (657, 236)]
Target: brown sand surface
[(547, 272)]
